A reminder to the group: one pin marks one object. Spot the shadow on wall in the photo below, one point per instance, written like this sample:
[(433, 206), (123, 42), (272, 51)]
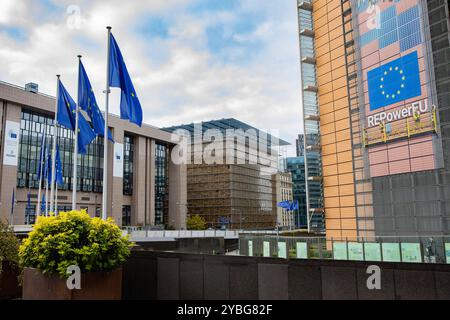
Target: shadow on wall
[(164, 275)]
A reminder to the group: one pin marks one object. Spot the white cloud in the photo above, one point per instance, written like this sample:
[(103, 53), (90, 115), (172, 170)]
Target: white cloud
[(190, 83)]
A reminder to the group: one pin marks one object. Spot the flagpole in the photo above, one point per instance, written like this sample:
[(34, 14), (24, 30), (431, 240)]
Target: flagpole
[(46, 196), (105, 137), (55, 134), (56, 199), (43, 145), (75, 150), (12, 207)]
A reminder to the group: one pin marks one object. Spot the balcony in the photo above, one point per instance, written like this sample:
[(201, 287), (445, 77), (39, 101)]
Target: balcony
[(309, 60), (311, 88), (315, 148), (307, 32), (313, 117), (315, 179), (305, 5)]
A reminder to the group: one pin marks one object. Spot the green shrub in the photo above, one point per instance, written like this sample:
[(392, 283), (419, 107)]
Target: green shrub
[(74, 238), (9, 245), (196, 223)]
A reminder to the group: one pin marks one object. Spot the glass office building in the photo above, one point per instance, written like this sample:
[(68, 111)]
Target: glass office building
[(142, 185)]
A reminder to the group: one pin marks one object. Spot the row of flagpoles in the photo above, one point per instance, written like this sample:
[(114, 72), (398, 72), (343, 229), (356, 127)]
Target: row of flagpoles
[(67, 115)]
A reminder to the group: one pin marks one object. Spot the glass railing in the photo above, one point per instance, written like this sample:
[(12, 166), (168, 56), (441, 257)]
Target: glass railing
[(403, 249)]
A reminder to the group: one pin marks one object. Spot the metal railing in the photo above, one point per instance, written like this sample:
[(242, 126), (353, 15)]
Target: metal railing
[(410, 249), (138, 232)]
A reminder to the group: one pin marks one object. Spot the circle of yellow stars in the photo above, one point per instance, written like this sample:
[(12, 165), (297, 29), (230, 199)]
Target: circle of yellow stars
[(392, 95)]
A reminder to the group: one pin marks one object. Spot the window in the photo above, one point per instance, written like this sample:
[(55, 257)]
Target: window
[(128, 161), (126, 216), (90, 167), (161, 184)]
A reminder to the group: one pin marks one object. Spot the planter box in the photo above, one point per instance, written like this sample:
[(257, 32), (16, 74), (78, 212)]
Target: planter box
[(9, 281), (94, 286)]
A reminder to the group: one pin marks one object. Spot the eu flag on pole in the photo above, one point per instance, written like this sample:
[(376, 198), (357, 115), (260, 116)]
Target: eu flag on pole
[(130, 107), (43, 203), (66, 108), (85, 134), (395, 81), (67, 118), (87, 102), (59, 172), (48, 171)]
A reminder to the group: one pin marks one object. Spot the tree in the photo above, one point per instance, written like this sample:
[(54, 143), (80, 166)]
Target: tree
[(9, 245), (196, 222)]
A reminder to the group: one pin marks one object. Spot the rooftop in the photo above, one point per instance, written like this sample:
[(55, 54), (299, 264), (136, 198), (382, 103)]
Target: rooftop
[(223, 125)]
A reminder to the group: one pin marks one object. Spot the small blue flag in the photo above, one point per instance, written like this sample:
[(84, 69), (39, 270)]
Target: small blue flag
[(284, 204), (59, 169), (87, 102), (48, 171), (28, 200), (130, 107), (43, 203)]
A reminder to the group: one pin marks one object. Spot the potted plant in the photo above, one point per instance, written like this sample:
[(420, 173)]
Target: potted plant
[(57, 244), (9, 267)]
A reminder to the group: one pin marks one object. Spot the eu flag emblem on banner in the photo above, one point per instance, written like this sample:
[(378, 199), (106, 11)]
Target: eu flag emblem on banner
[(130, 107), (395, 81)]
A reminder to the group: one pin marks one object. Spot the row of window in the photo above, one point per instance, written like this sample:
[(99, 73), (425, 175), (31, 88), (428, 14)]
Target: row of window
[(35, 125)]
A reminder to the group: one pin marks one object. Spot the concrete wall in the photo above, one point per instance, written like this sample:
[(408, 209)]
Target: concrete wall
[(164, 275), (13, 99)]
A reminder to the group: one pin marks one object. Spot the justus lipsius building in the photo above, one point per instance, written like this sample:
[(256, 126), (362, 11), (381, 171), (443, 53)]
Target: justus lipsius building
[(145, 187), (376, 102)]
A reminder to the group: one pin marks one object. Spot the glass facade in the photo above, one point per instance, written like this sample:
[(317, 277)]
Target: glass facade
[(90, 167), (128, 161), (161, 185), (126, 216), (312, 172), (296, 166)]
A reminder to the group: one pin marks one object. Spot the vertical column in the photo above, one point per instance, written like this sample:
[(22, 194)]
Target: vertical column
[(9, 160), (177, 193), (151, 182), (115, 170), (140, 182)]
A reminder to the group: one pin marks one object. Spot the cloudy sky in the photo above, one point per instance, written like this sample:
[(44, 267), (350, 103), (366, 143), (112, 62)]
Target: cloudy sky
[(190, 60)]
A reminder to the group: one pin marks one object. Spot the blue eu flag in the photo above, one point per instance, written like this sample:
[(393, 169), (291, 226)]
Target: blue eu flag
[(59, 172), (85, 134), (87, 102), (66, 108), (48, 167), (395, 81), (130, 107)]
